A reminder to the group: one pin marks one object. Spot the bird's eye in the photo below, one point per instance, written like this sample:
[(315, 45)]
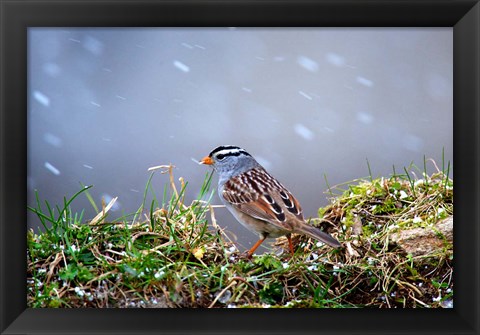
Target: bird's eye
[(220, 157)]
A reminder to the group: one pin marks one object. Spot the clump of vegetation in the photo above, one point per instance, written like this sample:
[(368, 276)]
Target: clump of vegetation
[(174, 254), (369, 215)]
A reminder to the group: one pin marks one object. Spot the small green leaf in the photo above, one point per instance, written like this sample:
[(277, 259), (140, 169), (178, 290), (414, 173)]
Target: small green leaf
[(68, 273), (271, 293)]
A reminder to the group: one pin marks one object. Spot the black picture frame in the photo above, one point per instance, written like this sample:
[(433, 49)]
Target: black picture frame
[(17, 16)]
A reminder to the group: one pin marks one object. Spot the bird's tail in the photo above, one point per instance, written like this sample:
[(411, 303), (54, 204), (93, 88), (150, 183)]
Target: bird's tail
[(317, 234)]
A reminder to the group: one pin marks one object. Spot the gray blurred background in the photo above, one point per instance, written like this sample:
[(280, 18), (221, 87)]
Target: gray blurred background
[(107, 104)]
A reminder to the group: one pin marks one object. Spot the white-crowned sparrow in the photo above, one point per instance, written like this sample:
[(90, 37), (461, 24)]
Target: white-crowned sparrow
[(257, 200)]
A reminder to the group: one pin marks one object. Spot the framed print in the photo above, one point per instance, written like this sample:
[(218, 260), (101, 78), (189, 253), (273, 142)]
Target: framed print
[(108, 108)]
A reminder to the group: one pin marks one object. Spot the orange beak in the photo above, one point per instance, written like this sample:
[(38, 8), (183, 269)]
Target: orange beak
[(207, 160)]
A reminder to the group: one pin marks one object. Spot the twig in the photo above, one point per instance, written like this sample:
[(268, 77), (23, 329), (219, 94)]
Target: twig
[(101, 215)]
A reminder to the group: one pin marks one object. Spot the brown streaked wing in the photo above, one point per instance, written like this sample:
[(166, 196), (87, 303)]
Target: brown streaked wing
[(242, 192), (291, 203), (276, 188)]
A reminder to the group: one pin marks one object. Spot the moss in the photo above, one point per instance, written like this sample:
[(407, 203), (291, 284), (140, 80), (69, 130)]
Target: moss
[(180, 257)]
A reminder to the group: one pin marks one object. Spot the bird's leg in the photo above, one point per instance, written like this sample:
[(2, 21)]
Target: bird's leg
[(290, 244), (252, 250)]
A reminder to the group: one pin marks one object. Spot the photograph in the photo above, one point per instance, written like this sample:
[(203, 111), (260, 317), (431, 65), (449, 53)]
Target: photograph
[(240, 167)]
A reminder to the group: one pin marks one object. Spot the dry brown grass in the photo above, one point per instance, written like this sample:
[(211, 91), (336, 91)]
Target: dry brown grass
[(178, 256)]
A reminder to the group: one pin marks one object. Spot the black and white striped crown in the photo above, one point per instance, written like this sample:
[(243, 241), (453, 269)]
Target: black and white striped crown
[(227, 150)]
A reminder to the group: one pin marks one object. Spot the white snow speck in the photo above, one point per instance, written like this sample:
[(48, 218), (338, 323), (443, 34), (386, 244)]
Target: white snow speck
[(120, 97), (307, 63), (417, 219), (186, 45), (87, 166), (93, 45), (95, 104), (200, 46), (246, 89), (412, 143), (51, 69), (365, 118), (419, 182), (52, 168), (278, 59), (304, 132), (263, 162), (335, 59), (74, 40), (182, 67), (403, 194), (134, 190), (364, 81), (52, 140), (305, 95), (41, 98)]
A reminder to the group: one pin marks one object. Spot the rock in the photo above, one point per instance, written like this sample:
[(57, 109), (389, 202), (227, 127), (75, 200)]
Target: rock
[(424, 241)]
